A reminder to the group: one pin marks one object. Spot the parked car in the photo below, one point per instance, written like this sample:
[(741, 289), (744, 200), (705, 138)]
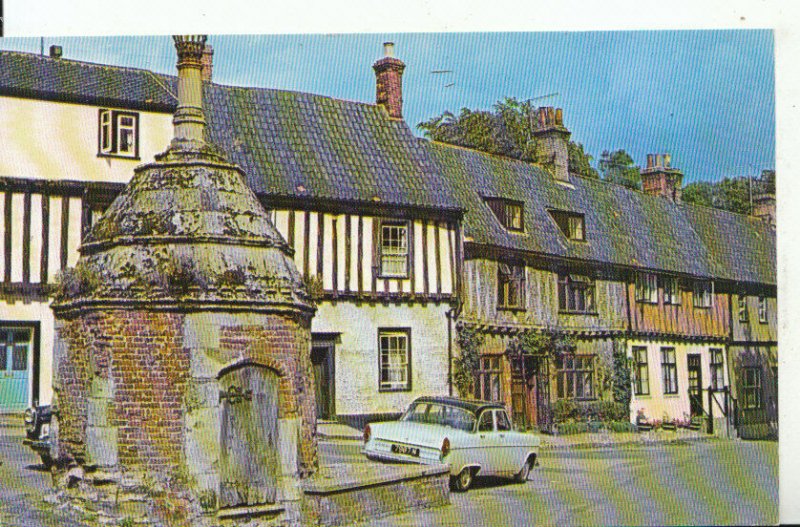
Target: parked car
[(474, 437), (37, 431)]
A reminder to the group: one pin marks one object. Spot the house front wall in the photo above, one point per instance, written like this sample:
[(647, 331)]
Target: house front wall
[(541, 309), (56, 140), (658, 405), (356, 352), (680, 319)]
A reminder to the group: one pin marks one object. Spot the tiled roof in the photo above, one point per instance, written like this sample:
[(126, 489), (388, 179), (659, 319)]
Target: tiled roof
[(285, 141), (326, 147), (623, 227), (28, 75), (301, 145)]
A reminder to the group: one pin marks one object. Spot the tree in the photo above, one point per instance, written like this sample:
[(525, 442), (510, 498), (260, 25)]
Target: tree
[(618, 167), (732, 194), (505, 130), (580, 161)]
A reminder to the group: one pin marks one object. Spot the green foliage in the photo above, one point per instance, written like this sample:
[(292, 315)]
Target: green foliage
[(621, 375), (732, 194), (545, 343), (618, 167), (127, 521), (580, 161), (572, 428), (74, 282), (620, 426), (465, 364), (314, 287), (503, 131), (567, 411)]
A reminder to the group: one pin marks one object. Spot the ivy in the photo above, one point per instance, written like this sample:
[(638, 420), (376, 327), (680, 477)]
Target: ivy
[(469, 342), (545, 344), (621, 376)]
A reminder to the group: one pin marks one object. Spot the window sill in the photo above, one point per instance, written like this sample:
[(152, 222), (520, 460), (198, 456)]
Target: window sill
[(589, 313), (702, 307), (391, 277), (642, 395), (390, 390), (119, 156), (672, 395), (648, 302), (512, 309)]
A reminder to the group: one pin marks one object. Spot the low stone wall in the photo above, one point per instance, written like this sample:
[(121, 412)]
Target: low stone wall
[(344, 494)]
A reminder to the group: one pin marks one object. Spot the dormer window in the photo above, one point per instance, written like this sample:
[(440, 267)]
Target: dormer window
[(703, 293), (118, 134), (508, 212), (647, 288), (572, 224)]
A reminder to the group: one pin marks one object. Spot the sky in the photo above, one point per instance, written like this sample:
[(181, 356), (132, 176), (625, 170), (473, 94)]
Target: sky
[(706, 97)]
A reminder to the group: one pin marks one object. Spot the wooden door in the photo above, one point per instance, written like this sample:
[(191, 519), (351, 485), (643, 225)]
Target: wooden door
[(249, 465), (322, 362), (695, 386)]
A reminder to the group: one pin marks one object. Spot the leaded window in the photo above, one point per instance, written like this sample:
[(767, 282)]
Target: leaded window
[(575, 376), (395, 359)]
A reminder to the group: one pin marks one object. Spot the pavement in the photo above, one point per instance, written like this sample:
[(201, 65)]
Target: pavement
[(330, 431)]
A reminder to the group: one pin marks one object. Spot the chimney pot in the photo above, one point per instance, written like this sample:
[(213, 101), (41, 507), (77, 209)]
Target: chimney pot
[(552, 141), (56, 51), (650, 160), (559, 117), (551, 118), (667, 160), (660, 179), (388, 49), (189, 119), (659, 161)]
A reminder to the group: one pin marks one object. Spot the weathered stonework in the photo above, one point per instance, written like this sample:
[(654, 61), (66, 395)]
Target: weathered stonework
[(183, 332)]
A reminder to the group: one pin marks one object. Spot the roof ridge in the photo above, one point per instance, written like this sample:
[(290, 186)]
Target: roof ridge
[(293, 92), (83, 62)]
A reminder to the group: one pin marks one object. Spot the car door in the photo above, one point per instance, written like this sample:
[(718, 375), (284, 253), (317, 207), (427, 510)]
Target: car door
[(505, 452), (486, 443)]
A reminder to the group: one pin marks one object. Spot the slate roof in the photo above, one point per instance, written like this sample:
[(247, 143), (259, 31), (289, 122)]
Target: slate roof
[(623, 227)]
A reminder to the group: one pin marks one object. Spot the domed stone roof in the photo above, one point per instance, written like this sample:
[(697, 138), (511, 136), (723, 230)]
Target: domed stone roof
[(187, 231)]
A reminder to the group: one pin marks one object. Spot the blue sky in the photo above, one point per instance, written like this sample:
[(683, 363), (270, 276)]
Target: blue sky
[(707, 97)]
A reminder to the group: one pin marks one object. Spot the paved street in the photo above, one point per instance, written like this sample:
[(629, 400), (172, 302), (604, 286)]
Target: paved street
[(715, 482), (709, 483), (23, 483)]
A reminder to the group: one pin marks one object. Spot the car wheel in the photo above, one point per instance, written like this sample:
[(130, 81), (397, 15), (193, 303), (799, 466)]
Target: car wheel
[(522, 475), (463, 481)]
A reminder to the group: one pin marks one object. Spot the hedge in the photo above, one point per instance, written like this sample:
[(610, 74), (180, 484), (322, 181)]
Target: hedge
[(569, 411)]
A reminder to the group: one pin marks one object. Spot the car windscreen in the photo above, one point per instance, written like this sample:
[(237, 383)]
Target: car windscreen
[(440, 414)]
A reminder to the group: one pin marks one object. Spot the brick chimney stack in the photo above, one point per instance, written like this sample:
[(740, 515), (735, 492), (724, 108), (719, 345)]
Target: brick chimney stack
[(660, 179), (189, 120), (389, 82), (207, 63), (764, 207), (553, 139)]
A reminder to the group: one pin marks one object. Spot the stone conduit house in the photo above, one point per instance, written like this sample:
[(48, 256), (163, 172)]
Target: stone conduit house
[(683, 296)]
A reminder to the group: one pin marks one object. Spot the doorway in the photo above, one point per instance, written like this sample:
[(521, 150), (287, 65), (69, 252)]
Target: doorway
[(249, 464), (695, 386), (15, 355), (322, 363)]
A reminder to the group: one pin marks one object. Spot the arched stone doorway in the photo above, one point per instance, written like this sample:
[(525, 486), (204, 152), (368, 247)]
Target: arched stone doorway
[(249, 466)]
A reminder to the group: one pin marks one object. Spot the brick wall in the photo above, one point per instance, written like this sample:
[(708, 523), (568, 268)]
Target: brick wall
[(283, 343)]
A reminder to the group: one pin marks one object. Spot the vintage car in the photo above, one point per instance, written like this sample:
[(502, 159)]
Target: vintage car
[(37, 432), (474, 437)]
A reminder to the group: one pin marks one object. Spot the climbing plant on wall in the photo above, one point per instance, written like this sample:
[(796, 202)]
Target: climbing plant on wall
[(465, 364), (542, 343), (621, 374)]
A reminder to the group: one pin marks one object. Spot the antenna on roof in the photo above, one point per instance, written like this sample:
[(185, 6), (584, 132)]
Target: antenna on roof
[(41, 46)]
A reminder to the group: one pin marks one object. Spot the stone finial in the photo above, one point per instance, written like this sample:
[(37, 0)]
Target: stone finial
[(189, 120), (389, 82)]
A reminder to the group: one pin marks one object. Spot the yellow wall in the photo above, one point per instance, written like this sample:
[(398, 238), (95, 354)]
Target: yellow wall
[(53, 140), (657, 403)]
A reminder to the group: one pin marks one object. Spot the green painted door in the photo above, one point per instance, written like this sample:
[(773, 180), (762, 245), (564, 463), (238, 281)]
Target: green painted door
[(15, 347)]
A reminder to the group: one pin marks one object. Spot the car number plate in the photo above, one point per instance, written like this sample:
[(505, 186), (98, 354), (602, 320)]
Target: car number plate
[(406, 450)]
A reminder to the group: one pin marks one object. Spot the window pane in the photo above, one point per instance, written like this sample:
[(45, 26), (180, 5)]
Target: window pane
[(503, 424), (20, 358), (3, 357)]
